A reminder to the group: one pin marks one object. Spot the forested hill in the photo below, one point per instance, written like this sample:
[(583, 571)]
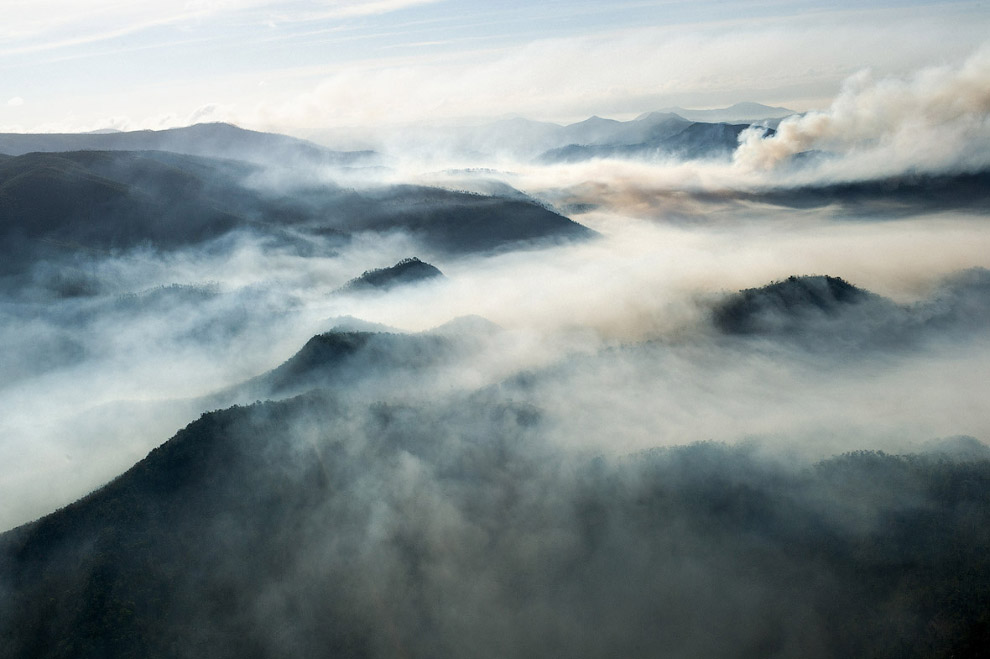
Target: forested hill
[(827, 312), (311, 529), (58, 204)]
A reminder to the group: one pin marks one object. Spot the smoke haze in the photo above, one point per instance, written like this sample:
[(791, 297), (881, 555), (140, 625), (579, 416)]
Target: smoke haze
[(637, 398), (162, 330)]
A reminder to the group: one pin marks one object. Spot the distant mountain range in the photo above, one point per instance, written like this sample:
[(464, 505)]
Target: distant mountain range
[(745, 112), (684, 142), (214, 140), (703, 134), (522, 137), (670, 132)]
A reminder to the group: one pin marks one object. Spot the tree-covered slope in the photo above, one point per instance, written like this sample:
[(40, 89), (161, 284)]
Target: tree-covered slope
[(89, 202), (829, 312), (316, 530)]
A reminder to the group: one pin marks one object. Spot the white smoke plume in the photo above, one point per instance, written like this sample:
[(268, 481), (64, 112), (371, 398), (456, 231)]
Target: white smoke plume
[(936, 120)]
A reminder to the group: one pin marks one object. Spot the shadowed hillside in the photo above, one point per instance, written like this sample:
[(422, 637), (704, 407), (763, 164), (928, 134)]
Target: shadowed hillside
[(105, 201), (686, 142), (52, 205), (790, 305), (360, 363), (890, 197), (388, 510), (828, 312), (309, 529)]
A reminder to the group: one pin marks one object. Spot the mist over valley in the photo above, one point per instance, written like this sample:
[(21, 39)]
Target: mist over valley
[(680, 383)]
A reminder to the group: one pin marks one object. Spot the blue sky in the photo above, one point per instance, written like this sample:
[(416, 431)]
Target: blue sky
[(307, 67)]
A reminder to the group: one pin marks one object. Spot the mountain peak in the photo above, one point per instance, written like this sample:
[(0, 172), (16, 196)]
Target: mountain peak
[(595, 120), (659, 115), (746, 111), (787, 305), (406, 271)]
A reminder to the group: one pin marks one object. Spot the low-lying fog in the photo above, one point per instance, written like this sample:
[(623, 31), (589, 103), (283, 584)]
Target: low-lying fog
[(616, 330)]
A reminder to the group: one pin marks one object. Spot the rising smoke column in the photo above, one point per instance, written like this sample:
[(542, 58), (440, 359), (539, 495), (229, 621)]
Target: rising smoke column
[(934, 121)]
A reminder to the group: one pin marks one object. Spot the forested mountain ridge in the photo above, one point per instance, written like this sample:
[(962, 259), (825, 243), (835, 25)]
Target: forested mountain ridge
[(58, 204), (289, 527)]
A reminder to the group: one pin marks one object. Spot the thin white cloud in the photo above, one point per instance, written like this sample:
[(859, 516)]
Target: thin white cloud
[(359, 8), (624, 71), (17, 101), (326, 71), (29, 20), (93, 36), (41, 25)]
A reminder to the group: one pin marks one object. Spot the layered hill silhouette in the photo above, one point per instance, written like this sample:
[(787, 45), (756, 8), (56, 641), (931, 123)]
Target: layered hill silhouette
[(686, 142), (745, 112), (214, 140), (815, 313), (95, 201), (663, 133), (103, 200)]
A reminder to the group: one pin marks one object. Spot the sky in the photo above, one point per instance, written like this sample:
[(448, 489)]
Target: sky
[(314, 68)]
